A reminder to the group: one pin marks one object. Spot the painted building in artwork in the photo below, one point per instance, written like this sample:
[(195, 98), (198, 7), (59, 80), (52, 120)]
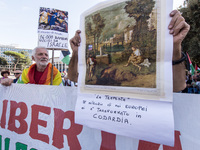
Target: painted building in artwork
[(128, 34), (124, 38), (152, 21), (116, 39)]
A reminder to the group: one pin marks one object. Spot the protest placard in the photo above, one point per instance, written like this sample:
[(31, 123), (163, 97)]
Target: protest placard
[(126, 50), (53, 29), (125, 60)]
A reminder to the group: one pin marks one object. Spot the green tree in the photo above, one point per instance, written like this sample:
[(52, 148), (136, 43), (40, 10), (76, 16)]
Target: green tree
[(191, 43), (3, 61), (16, 57), (24, 62)]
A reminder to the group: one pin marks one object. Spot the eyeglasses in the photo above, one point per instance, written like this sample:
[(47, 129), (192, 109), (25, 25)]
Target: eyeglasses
[(16, 73)]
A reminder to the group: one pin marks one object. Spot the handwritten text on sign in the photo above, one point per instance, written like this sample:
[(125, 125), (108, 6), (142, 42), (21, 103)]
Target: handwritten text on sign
[(114, 112), (53, 39), (134, 118)]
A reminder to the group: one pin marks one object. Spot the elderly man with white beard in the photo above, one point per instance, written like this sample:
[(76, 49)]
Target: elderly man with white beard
[(40, 71)]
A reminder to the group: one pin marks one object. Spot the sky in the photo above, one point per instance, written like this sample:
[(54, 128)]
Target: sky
[(19, 18)]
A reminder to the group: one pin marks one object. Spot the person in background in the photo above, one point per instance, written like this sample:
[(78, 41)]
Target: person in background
[(189, 84), (5, 75), (198, 84), (17, 74), (67, 82)]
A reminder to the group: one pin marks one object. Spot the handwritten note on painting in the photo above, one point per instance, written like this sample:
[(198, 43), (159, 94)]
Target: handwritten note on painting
[(141, 119)]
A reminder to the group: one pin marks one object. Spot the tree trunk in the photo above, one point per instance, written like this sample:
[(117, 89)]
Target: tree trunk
[(94, 45), (15, 65)]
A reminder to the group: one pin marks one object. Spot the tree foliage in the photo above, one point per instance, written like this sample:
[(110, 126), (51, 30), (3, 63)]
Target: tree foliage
[(3, 61), (16, 57), (95, 28), (99, 24), (191, 44), (142, 37), (139, 9), (24, 62)]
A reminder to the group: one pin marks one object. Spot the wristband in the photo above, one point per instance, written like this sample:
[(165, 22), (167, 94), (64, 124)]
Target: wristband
[(180, 60)]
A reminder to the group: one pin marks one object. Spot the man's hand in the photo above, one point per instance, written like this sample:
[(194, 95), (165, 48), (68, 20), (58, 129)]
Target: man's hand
[(73, 70), (6, 81), (179, 29), (75, 41)]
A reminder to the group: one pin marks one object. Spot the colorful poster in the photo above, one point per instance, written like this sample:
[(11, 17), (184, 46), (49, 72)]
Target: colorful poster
[(123, 50), (53, 28)]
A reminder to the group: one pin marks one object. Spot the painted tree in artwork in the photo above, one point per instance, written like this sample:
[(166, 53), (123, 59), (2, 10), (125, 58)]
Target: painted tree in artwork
[(95, 28), (99, 25), (90, 32), (140, 10)]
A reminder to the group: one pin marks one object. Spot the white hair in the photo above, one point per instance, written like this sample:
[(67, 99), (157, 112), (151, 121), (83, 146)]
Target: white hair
[(36, 48)]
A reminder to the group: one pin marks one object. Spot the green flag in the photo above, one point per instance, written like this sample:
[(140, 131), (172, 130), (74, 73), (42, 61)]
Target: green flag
[(191, 66), (64, 57)]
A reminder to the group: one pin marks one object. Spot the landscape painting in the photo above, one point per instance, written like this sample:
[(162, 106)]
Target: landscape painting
[(121, 45)]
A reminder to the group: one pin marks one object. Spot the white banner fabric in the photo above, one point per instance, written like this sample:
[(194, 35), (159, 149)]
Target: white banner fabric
[(42, 117), (142, 119)]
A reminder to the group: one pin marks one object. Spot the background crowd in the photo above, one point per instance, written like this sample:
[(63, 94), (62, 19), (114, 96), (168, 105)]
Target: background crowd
[(192, 82), (17, 74)]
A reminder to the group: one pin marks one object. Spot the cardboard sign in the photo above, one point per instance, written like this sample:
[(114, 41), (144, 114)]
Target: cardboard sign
[(53, 29)]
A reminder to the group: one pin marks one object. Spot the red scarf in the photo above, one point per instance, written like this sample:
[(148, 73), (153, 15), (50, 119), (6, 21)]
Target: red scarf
[(46, 76)]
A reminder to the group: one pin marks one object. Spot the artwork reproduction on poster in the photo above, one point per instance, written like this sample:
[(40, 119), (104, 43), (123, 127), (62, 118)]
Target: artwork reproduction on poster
[(126, 51), (124, 67), (53, 29)]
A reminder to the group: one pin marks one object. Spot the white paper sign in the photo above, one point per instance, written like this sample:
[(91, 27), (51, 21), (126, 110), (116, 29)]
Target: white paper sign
[(103, 101), (145, 120), (53, 39), (53, 28)]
